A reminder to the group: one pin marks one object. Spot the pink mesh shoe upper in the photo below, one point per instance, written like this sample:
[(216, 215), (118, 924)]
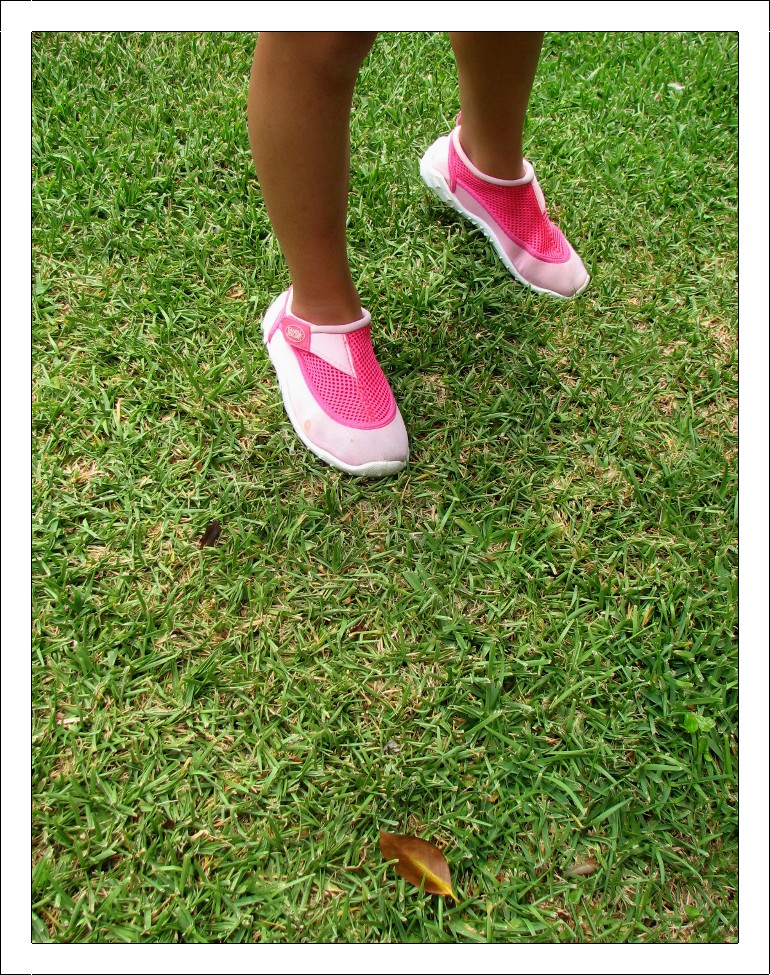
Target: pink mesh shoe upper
[(515, 209), (364, 400)]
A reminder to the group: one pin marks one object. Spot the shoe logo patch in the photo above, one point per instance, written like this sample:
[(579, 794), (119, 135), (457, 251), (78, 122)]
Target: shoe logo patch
[(294, 334)]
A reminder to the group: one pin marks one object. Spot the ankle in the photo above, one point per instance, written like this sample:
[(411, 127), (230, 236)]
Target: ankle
[(327, 310), (498, 162)]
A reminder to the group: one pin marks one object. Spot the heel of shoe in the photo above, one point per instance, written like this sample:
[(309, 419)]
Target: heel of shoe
[(272, 314), (431, 175)]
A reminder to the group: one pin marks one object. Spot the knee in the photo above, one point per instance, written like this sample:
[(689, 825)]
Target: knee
[(334, 56)]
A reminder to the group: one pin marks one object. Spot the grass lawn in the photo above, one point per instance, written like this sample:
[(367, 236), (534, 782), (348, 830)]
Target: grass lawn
[(523, 648)]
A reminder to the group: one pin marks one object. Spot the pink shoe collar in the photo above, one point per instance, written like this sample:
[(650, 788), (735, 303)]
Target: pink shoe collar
[(529, 172)]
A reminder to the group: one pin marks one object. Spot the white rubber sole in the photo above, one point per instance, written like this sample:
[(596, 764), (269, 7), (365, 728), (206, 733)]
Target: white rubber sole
[(435, 181), (379, 468)]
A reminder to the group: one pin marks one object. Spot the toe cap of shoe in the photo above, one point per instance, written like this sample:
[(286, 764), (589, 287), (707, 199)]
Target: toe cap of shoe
[(566, 279)]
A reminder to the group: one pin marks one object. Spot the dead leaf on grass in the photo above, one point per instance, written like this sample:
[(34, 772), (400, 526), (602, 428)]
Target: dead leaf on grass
[(419, 862), (212, 533)]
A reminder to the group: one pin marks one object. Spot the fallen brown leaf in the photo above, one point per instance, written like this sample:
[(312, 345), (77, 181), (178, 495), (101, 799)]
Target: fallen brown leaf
[(419, 862), (212, 533)]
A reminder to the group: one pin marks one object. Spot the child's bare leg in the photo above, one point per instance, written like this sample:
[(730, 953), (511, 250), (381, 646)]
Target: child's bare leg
[(299, 126), (495, 72)]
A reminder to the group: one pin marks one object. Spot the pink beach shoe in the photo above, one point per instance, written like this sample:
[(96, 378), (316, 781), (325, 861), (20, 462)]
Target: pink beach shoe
[(511, 213), (335, 393)]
